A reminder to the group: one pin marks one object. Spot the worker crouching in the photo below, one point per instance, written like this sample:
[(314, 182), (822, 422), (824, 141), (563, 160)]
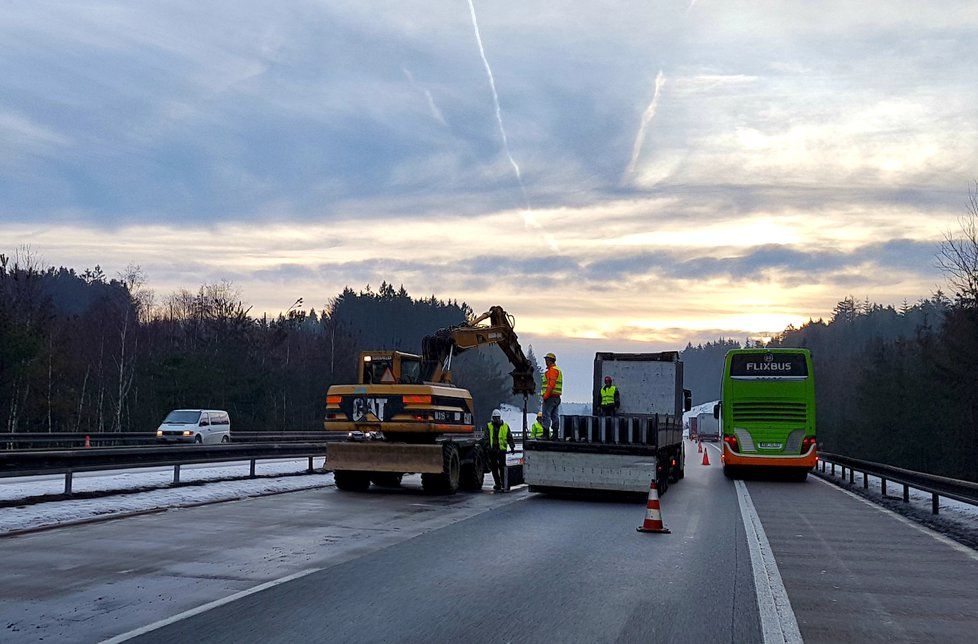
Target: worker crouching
[(496, 439), (536, 430)]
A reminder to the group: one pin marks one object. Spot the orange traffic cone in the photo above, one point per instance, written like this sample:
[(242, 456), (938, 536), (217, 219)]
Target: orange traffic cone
[(88, 443), (706, 457), (653, 515), (699, 447)]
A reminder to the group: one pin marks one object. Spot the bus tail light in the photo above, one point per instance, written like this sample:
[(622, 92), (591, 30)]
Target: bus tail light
[(731, 440), (334, 400), (807, 444)]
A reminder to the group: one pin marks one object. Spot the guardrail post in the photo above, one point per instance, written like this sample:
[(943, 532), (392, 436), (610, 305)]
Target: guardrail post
[(883, 486), (935, 503), (68, 482), (176, 474), (833, 469), (865, 481), (843, 472), (252, 472), (310, 465), (852, 476), (906, 493)]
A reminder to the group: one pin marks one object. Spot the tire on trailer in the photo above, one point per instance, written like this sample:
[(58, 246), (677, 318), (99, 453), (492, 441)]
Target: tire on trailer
[(351, 481), (729, 472), (473, 475), (800, 475), (386, 479), (679, 471), (448, 480), (662, 480)]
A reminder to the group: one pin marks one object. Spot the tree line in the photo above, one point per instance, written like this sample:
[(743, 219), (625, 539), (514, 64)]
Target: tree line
[(83, 352)]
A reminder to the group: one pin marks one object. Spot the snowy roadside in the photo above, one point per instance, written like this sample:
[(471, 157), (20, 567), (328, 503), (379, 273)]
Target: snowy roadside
[(17, 488), (956, 519), (30, 517)]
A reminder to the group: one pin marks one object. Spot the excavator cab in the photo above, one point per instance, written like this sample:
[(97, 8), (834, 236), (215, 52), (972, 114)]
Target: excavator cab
[(391, 368)]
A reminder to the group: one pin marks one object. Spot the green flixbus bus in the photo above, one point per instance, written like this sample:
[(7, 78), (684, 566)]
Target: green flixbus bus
[(767, 411)]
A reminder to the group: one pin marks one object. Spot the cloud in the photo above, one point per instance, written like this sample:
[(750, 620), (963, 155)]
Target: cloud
[(803, 152)]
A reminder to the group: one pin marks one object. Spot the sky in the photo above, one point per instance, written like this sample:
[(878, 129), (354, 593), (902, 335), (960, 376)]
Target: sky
[(618, 175)]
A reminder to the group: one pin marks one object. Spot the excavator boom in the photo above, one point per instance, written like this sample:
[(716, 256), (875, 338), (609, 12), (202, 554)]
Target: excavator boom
[(440, 348)]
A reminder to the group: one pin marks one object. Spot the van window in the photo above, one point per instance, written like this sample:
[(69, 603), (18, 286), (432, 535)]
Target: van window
[(182, 418)]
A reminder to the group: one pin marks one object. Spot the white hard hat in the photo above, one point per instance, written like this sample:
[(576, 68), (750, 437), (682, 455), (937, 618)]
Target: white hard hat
[(497, 414)]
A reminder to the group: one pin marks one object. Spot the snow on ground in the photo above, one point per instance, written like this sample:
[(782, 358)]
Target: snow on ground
[(73, 510), (127, 490), (956, 519), (132, 479)]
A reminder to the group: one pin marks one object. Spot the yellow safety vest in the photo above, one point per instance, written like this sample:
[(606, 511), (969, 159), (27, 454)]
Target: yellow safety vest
[(608, 395), (502, 439), (558, 388), (536, 430)]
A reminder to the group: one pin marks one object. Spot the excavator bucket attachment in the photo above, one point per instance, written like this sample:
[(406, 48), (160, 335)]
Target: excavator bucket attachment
[(383, 456)]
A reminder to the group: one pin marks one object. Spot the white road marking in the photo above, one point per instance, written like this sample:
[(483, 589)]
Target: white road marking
[(899, 517), (778, 623), (206, 607)]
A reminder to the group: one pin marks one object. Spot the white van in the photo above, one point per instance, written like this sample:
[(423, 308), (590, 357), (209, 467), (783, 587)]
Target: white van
[(195, 426)]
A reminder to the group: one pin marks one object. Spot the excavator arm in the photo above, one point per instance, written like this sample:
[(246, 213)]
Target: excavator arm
[(439, 349)]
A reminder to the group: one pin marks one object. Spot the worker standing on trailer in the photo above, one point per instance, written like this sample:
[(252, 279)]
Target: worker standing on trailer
[(610, 398), (496, 439), (536, 430), (551, 386)]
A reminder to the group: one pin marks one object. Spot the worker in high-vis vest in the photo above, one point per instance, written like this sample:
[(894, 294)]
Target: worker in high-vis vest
[(551, 386), (610, 398), (536, 429), (495, 440)]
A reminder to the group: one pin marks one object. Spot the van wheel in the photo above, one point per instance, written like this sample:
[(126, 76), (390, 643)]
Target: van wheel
[(198, 440), (225, 439)]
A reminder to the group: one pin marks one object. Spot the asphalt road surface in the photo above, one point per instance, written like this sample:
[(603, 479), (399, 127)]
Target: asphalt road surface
[(402, 566)]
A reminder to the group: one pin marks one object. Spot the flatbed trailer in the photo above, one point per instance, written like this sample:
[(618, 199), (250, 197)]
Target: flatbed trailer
[(625, 452), (607, 454)]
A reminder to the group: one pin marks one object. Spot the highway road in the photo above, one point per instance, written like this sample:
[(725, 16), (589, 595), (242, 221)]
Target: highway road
[(761, 561)]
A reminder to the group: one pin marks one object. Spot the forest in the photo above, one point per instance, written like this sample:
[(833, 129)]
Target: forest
[(82, 352)]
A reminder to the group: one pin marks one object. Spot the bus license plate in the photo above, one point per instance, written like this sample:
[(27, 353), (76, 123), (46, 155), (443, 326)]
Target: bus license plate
[(769, 445)]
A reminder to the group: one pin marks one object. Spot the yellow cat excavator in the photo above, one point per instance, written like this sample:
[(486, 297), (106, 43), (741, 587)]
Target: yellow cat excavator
[(406, 416)]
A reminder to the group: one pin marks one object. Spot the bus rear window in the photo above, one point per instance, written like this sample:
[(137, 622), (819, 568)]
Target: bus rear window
[(768, 365)]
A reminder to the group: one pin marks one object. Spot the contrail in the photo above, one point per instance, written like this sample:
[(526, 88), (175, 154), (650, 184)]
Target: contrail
[(528, 217), (660, 80), (432, 107)]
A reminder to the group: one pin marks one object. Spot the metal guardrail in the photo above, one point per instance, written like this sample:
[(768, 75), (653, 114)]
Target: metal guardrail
[(42, 440), (40, 462), (937, 486)]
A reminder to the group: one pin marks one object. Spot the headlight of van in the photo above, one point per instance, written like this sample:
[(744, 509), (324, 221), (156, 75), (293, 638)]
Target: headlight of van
[(187, 432), (159, 432)]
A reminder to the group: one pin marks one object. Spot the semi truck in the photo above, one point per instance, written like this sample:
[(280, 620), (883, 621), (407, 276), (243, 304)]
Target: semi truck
[(624, 452), (693, 427), (707, 427)]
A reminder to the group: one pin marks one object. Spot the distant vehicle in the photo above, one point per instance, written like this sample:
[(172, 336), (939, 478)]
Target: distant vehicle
[(201, 426), (767, 410), (693, 427), (707, 427)]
